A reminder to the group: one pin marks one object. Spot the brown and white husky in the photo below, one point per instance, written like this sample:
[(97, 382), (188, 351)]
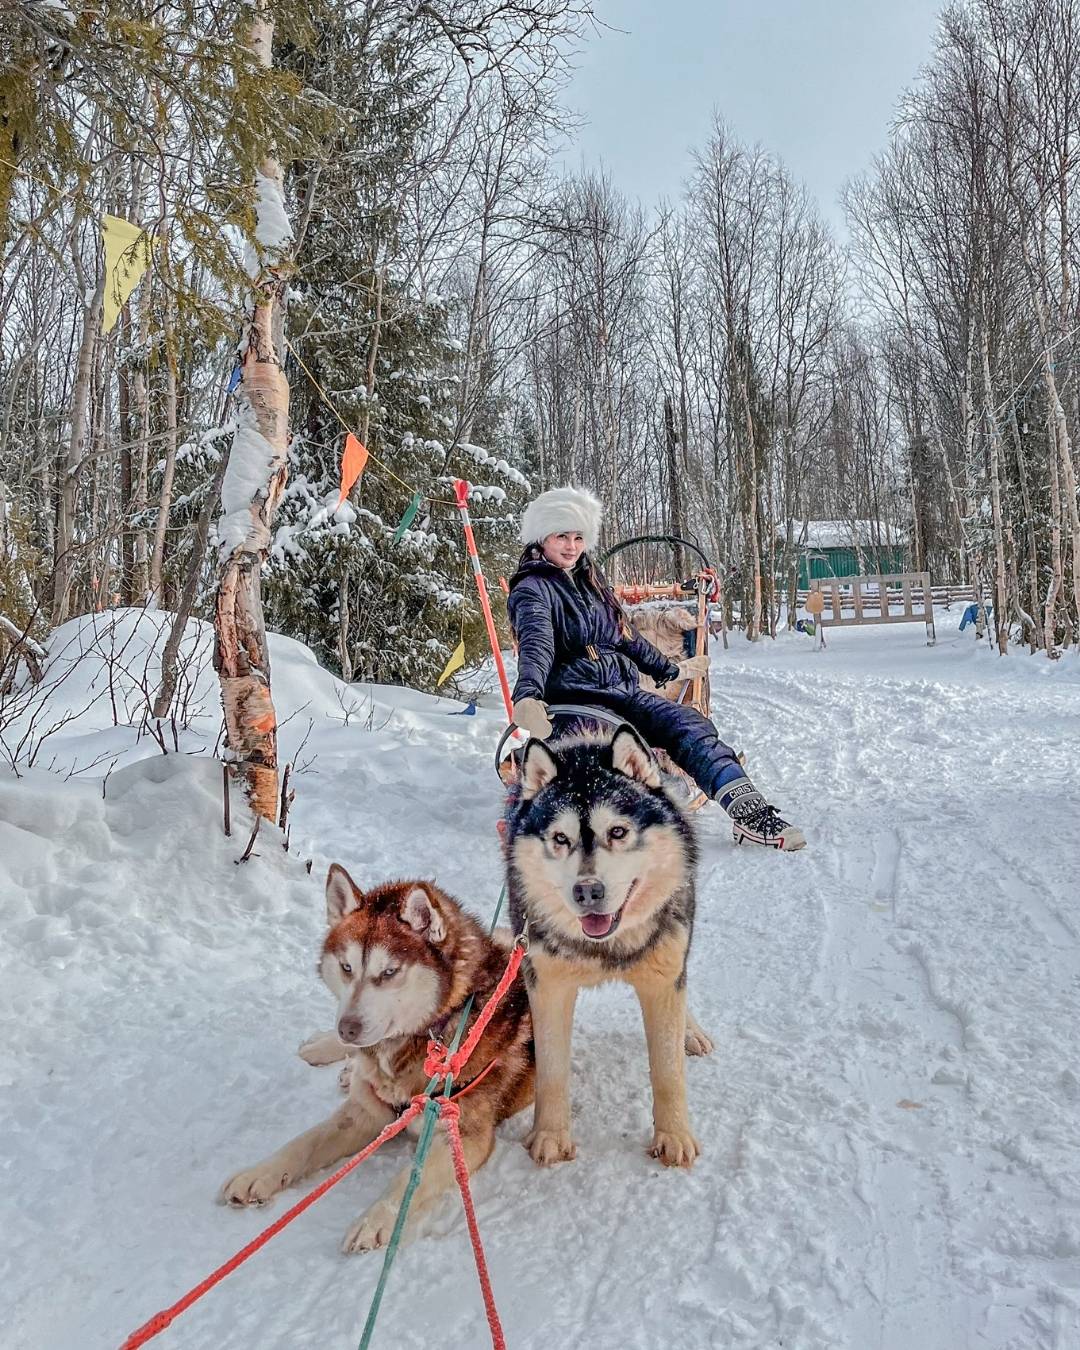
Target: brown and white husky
[(402, 959)]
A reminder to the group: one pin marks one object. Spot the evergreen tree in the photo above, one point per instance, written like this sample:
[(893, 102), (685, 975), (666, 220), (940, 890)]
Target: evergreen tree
[(384, 358)]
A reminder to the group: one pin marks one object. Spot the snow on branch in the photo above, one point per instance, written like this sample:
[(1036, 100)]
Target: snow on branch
[(481, 456), (252, 462)]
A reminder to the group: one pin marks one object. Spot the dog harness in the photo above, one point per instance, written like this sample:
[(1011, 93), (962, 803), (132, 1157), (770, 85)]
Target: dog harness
[(399, 1108)]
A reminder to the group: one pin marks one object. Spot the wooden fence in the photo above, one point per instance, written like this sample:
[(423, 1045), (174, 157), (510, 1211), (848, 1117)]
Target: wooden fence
[(902, 597), (944, 596)]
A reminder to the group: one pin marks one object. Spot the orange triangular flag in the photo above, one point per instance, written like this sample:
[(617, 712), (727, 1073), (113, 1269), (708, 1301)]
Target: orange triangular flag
[(353, 459)]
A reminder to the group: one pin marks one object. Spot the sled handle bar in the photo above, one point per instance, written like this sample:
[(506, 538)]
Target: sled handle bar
[(586, 710), (674, 539)]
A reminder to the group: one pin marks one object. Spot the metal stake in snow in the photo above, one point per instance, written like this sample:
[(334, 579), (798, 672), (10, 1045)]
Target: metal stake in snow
[(461, 496)]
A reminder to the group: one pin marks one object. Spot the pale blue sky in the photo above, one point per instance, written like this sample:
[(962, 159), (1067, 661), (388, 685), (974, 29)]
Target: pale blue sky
[(816, 81)]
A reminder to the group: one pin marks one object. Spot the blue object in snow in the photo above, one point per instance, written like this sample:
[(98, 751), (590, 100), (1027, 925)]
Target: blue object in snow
[(470, 711), (971, 614)]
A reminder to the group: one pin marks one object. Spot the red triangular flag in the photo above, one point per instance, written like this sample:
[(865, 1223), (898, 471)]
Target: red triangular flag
[(353, 459)]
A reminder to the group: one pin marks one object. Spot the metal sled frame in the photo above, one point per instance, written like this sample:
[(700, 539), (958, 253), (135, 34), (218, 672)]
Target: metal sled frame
[(704, 585)]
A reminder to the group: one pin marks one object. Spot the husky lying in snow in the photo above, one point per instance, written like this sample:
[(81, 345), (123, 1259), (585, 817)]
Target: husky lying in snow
[(402, 959), (601, 869)]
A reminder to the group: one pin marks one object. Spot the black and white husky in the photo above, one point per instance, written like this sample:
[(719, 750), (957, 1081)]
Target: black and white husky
[(601, 866)]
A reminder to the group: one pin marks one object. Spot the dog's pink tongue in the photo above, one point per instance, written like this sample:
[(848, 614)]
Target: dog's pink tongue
[(597, 925)]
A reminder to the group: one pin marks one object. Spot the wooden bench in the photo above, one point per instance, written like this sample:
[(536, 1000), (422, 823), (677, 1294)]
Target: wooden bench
[(901, 597)]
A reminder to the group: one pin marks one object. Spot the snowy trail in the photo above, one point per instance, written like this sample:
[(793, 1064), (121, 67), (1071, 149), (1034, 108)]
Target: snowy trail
[(891, 1116)]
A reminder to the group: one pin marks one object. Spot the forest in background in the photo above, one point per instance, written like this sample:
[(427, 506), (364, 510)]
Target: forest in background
[(721, 367)]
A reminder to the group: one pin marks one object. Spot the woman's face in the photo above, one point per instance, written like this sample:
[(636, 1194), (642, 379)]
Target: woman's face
[(564, 549)]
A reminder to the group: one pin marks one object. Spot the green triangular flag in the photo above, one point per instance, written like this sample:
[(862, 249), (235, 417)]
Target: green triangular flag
[(408, 518)]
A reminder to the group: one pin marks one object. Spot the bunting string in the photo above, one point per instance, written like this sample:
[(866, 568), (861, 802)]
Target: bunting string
[(123, 271), (415, 495)]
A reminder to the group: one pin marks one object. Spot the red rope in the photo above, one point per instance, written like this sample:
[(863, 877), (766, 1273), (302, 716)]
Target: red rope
[(450, 1113), (161, 1320), (438, 1060), (437, 1064)]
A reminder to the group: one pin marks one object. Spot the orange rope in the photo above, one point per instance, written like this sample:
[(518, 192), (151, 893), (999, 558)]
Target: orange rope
[(438, 1062)]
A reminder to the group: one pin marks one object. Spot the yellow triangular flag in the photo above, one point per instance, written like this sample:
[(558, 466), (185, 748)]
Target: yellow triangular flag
[(127, 256), (457, 660)]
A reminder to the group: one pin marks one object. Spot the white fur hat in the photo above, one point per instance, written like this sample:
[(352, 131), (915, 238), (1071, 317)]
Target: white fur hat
[(561, 510)]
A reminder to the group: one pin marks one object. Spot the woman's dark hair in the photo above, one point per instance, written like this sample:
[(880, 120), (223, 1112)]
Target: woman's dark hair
[(590, 572)]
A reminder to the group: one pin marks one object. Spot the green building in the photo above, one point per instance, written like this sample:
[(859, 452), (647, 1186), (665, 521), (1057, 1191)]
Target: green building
[(844, 548)]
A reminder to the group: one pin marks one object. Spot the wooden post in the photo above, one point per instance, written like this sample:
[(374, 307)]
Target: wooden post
[(928, 606), (701, 644)]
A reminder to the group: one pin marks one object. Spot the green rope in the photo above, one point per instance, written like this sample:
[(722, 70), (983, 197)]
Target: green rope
[(423, 1146)]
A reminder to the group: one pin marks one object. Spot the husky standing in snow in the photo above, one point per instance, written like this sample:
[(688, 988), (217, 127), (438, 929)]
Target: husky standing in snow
[(601, 878), (402, 960)]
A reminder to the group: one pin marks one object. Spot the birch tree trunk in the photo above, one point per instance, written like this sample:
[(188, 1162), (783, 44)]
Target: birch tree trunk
[(1029, 529), (140, 472), (1068, 477), (749, 471), (68, 469), (675, 509), (1053, 585), (157, 557), (1000, 589), (254, 482)]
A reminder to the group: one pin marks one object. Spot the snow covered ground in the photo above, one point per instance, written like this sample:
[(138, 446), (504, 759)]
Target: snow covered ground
[(889, 1120)]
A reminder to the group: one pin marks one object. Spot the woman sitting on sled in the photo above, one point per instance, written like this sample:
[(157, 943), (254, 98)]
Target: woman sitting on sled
[(577, 645)]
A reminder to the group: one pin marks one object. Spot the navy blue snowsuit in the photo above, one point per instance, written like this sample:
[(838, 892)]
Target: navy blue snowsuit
[(572, 649)]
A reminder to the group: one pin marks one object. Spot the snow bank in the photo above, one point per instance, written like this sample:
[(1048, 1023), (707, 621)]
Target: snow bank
[(91, 713), (135, 946)]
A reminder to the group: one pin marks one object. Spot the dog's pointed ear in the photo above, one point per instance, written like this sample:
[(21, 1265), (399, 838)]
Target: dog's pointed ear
[(631, 756), (342, 894), (420, 910), (538, 769)]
